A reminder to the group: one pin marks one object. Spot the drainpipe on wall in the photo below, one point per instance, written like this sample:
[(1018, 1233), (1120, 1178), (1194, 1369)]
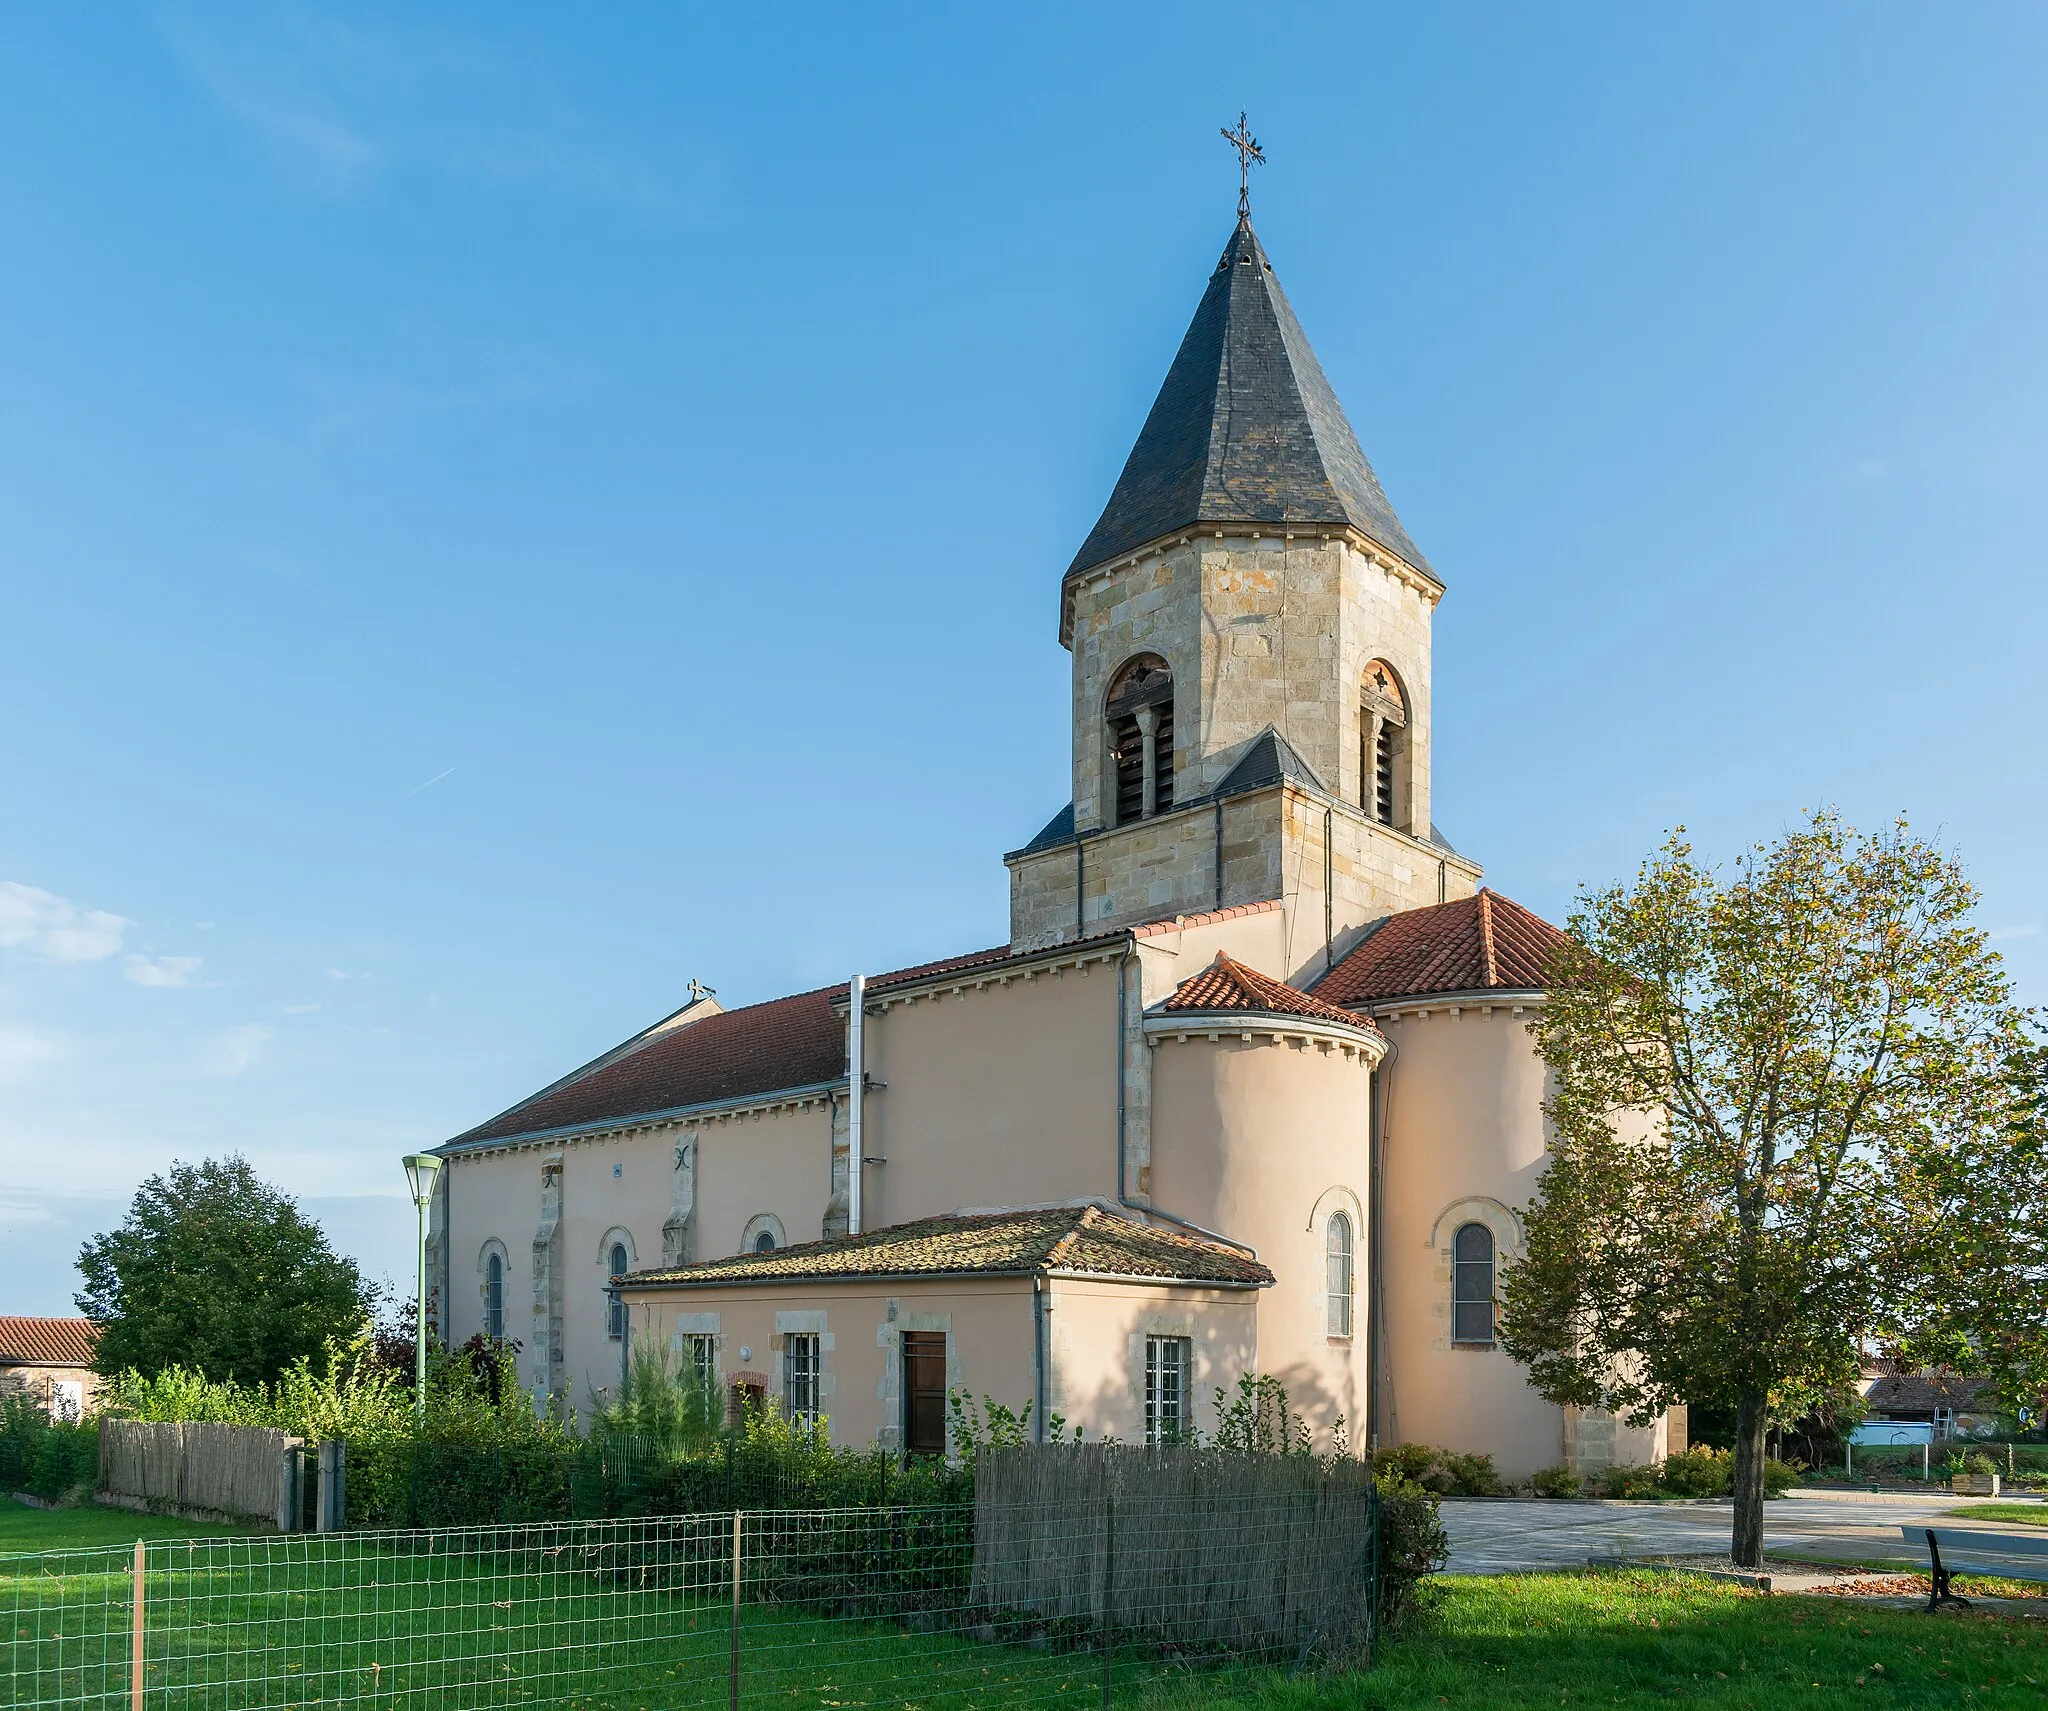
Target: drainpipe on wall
[(856, 1075), (1377, 1411), (1041, 1313)]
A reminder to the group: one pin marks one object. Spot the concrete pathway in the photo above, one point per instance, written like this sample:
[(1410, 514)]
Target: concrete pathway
[(1503, 1535)]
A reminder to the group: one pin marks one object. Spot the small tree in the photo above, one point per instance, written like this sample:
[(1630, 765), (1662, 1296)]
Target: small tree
[(216, 1271), (1781, 1115)]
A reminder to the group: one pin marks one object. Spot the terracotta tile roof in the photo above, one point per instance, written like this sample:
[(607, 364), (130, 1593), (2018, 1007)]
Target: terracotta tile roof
[(1155, 929), (1084, 1238), (1226, 985), (799, 1041), (47, 1342), (1472, 945), (1912, 1394)]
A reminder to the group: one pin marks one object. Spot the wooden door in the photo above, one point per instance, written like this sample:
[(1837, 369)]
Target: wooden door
[(924, 1392)]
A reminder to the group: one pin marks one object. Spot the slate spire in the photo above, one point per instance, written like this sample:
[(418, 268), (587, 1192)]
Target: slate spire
[(1245, 430)]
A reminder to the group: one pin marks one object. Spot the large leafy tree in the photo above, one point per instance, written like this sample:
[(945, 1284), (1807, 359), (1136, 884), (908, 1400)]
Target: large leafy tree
[(1784, 1123), (217, 1271)]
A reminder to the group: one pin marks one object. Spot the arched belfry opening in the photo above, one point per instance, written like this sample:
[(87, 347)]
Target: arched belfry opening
[(1382, 745), (1138, 718)]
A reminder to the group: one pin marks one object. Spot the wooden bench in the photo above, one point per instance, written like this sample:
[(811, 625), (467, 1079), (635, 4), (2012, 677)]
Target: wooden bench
[(1957, 1550)]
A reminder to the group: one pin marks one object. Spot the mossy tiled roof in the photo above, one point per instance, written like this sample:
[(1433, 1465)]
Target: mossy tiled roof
[(1088, 1239)]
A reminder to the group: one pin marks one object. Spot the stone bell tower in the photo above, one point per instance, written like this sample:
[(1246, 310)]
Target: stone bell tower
[(1250, 626)]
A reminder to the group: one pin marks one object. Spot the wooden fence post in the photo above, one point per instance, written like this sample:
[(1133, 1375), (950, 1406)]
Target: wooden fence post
[(135, 1628)]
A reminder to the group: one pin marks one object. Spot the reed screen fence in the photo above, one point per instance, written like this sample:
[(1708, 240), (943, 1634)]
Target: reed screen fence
[(832, 1609)]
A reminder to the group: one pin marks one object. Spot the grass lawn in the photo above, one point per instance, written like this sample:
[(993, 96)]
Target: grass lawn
[(2029, 1514), (1643, 1640), (89, 1525)]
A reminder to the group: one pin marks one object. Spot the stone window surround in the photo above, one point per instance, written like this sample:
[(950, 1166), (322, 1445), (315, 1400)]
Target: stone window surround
[(491, 1245), (889, 1387), (617, 1234), (1506, 1226), (759, 1224)]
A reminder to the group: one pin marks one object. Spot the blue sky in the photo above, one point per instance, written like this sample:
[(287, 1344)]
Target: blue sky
[(502, 512)]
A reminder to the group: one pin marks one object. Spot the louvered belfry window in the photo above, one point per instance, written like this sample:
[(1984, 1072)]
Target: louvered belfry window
[(1382, 741), (1141, 698)]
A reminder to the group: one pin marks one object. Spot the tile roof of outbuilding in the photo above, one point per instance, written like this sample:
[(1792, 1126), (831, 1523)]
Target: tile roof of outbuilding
[(1227, 986), (1085, 1238), (47, 1342), (1914, 1393), (1475, 944), (1246, 429)]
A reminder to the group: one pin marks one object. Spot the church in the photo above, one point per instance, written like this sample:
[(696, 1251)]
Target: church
[(1248, 1091)]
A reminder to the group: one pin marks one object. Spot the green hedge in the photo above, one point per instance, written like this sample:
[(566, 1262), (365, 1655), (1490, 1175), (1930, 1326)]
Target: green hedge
[(60, 1463)]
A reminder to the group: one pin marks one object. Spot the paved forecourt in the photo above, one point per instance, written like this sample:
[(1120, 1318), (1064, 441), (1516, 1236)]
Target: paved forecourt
[(1506, 1535)]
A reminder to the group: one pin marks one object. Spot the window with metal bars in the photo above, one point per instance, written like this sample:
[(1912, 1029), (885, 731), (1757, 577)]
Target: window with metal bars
[(802, 1369), (1338, 1251), (1169, 1405), (700, 1359), (1141, 702), (1472, 1286)]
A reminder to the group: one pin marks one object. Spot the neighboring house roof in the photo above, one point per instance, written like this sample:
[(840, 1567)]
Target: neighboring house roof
[(1916, 1395), (47, 1342), (1473, 945), (1227, 985), (1081, 1239), (1246, 429)]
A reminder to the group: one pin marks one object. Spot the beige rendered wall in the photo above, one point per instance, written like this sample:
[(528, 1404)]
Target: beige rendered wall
[(1098, 1332), (40, 1383), (751, 1168), (1464, 1142), (988, 1326), (995, 1095), (1263, 1140)]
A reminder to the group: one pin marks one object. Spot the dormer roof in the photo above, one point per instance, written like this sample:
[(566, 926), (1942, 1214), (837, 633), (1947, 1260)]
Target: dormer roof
[(1246, 429)]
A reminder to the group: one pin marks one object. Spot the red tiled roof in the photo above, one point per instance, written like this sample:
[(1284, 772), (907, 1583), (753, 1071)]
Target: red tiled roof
[(1227, 985), (1085, 1238), (47, 1342), (1473, 945), (799, 1041)]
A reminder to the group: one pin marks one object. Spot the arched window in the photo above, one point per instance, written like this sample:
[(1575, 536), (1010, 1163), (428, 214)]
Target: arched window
[(1472, 1285), (619, 1265), (494, 1297), (764, 1243), (1382, 745), (1337, 1272), (1139, 716)]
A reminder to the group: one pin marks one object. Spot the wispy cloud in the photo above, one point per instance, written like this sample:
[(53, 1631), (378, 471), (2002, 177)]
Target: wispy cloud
[(299, 1009), (24, 1049), (161, 970), (2024, 930), (232, 1051), (46, 925), (436, 779), (338, 106)]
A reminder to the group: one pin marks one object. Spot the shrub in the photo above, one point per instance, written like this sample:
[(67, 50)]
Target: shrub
[(1781, 1476), (1978, 1463), (58, 1461), (1698, 1472), (1413, 1545), (1555, 1482), (1629, 1479), (1444, 1472)]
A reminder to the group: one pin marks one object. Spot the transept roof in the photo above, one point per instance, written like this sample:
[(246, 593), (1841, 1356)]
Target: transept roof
[(1246, 429), (1476, 944), (1228, 986)]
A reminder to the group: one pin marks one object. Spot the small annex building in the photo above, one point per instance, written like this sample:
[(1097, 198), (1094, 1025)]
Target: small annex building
[(1248, 1089), (50, 1362)]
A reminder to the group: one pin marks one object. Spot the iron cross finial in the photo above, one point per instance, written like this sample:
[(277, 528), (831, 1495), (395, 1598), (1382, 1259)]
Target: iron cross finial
[(1249, 155)]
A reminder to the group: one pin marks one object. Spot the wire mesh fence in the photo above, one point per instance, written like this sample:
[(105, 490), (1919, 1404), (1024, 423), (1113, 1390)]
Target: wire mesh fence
[(830, 1608)]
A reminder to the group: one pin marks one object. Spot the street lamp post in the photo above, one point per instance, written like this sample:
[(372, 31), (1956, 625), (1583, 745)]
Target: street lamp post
[(420, 1171)]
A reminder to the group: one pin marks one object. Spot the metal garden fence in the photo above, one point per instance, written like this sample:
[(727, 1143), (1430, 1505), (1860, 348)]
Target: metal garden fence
[(840, 1608)]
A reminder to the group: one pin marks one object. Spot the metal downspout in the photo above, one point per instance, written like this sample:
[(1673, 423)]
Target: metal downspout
[(856, 1074), (1377, 1410), (1039, 1311)]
